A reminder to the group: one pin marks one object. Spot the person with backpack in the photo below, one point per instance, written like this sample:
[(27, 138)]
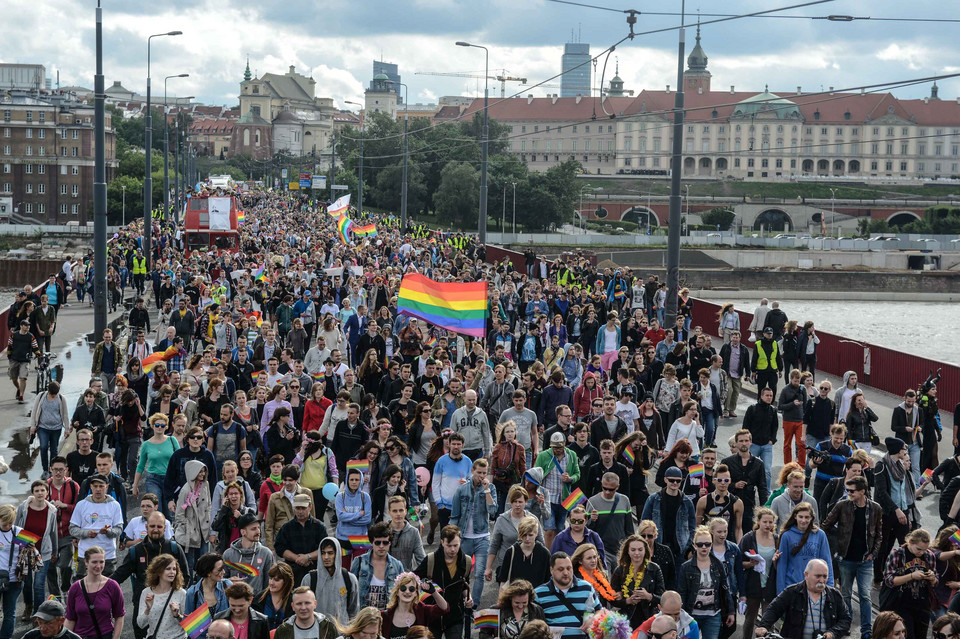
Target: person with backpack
[(455, 587), (336, 587)]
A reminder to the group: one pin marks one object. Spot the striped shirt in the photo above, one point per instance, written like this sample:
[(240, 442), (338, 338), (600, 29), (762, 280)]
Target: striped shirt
[(580, 596)]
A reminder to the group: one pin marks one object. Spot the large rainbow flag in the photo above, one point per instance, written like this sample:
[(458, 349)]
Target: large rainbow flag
[(153, 359), (367, 230), (460, 307), (344, 227), (338, 208)]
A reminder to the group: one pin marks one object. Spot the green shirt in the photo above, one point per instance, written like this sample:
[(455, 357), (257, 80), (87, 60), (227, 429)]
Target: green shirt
[(155, 457)]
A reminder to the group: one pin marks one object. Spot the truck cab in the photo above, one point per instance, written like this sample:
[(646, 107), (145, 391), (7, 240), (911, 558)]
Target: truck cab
[(211, 223)]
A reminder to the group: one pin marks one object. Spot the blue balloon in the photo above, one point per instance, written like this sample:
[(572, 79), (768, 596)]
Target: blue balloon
[(330, 491)]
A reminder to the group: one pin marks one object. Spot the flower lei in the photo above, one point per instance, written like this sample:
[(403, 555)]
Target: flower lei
[(599, 583), (634, 576)]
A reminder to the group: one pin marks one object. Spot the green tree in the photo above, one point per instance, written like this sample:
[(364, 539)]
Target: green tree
[(119, 202), (389, 189), (718, 217), (457, 199)]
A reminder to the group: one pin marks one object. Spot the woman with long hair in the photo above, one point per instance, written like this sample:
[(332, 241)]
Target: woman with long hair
[(37, 515), (639, 461), (729, 321), (276, 399), (137, 381), (859, 420), (370, 371), (275, 601), (405, 610), (315, 408), (888, 625), (366, 625), (162, 601), (662, 555), (282, 437), (702, 584), (732, 563), (163, 402), (679, 455), (800, 541), (248, 472), (517, 609), (587, 563), (194, 374), (677, 357), (395, 452), (807, 348), (652, 424), (49, 420), (759, 587), (507, 463), (557, 328), (102, 617), (637, 580), (370, 452), (666, 391)]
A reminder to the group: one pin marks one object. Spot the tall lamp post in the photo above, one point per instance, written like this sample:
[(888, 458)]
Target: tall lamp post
[(514, 208), (482, 230), (147, 145), (582, 189), (99, 190), (676, 166), (123, 204), (360, 165), (166, 147), (403, 187)]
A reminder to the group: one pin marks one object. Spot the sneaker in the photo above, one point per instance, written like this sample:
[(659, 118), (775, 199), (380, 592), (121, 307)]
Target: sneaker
[(45, 475)]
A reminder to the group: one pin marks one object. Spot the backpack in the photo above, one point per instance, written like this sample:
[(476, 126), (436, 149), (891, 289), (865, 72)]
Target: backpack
[(346, 580)]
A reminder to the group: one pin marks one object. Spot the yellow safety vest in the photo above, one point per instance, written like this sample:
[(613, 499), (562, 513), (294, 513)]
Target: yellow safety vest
[(762, 361), (139, 266)]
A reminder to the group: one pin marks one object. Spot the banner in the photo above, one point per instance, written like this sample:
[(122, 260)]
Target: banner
[(219, 209)]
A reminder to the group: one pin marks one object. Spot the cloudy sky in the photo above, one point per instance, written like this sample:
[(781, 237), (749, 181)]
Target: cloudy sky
[(335, 41)]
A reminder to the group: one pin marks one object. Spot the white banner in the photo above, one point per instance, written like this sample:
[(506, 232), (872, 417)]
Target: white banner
[(219, 209)]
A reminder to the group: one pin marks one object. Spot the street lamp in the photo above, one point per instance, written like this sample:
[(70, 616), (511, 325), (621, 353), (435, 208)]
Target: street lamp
[(360, 178), (482, 230), (123, 189), (514, 208), (178, 195), (686, 217), (403, 188), (166, 147), (833, 209), (147, 144), (582, 189)]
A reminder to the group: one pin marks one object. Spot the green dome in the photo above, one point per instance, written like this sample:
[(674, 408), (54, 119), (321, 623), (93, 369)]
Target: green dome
[(381, 76), (767, 102)]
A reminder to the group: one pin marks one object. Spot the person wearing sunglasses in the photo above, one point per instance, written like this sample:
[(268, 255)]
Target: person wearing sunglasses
[(721, 503), (808, 604), (947, 626), (376, 569), (405, 609), (176, 476), (676, 513), (703, 587)]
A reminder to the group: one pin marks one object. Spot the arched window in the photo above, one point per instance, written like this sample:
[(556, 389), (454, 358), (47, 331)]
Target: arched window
[(246, 137), (257, 138)]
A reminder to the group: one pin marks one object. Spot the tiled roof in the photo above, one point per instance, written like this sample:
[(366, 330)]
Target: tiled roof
[(562, 109), (285, 87), (211, 126), (447, 113)]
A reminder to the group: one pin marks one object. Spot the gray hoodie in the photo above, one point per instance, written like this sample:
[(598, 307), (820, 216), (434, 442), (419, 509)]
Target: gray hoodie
[(50, 540), (842, 406), (332, 589), (258, 556), (407, 546)]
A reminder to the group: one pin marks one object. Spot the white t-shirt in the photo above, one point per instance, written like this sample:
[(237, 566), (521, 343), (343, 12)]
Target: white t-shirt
[(610, 340), (89, 515), (628, 412), (137, 529)]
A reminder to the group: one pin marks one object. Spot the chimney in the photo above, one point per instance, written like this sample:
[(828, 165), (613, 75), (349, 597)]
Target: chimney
[(799, 92), (668, 88), (700, 90), (555, 98), (831, 90), (926, 99), (731, 90), (529, 98), (863, 91), (292, 68), (579, 97)]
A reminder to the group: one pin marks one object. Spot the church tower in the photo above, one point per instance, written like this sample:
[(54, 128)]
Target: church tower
[(696, 79)]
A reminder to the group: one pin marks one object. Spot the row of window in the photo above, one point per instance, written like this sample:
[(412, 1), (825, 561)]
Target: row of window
[(41, 116), (42, 133), (73, 151), (42, 169), (559, 128), (574, 147), (41, 189), (42, 208), (556, 158)]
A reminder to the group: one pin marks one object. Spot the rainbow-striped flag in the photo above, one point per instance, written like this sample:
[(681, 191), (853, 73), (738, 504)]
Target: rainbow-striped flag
[(344, 227), (197, 621), (696, 470), (460, 307), (25, 538), (629, 455), (955, 538), (260, 274), (575, 498), (359, 464), (489, 618), (430, 342), (359, 542), (240, 217), (319, 377), (436, 590), (153, 359), (367, 230), (926, 476), (243, 568), (338, 208)]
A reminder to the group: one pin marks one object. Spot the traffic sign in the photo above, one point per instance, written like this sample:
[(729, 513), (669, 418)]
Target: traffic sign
[(293, 186), (283, 174), (305, 180), (340, 187)]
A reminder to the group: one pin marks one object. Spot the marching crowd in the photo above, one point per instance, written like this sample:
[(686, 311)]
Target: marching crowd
[(272, 443)]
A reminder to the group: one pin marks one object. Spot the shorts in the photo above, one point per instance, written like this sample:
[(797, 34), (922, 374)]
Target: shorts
[(18, 370)]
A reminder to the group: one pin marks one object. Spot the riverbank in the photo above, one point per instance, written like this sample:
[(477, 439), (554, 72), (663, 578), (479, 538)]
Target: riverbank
[(734, 295)]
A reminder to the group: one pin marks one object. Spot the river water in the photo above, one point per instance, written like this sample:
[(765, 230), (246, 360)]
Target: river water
[(928, 329)]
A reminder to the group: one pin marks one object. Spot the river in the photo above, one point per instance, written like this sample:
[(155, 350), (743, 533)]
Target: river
[(928, 329)]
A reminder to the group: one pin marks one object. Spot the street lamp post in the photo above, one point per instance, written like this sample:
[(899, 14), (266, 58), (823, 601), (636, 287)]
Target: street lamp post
[(147, 144), (403, 188), (360, 176), (482, 230), (686, 217), (514, 208), (833, 209), (99, 190), (123, 204), (676, 166), (503, 215), (166, 147)]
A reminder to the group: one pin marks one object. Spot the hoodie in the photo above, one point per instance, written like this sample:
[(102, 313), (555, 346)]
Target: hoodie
[(354, 513), (335, 596), (791, 566), (900, 423), (90, 515), (258, 556), (584, 396), (841, 398), (191, 522)]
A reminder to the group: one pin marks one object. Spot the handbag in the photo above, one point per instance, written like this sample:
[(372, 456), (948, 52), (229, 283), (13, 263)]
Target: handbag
[(5, 574), (91, 609), (163, 611)]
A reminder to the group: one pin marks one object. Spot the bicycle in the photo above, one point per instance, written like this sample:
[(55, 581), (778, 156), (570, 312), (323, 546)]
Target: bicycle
[(44, 373)]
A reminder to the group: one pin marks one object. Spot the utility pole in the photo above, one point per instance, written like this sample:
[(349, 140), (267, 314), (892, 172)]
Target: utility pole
[(514, 208), (676, 211), (99, 191)]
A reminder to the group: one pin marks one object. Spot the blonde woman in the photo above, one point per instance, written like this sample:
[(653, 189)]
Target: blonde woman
[(588, 566), (366, 625), (405, 610), (162, 601), (155, 454)]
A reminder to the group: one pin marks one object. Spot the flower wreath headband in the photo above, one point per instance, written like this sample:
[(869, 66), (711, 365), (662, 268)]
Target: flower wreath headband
[(403, 576)]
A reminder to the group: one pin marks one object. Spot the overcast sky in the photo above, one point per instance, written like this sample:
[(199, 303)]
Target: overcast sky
[(335, 41)]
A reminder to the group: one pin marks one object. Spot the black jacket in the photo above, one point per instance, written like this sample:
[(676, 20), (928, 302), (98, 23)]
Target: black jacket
[(595, 474), (688, 583), (258, 627), (754, 474), (789, 394), (752, 588), (600, 432), (762, 422), (791, 606), (139, 557), (859, 424), (776, 319), (744, 360)]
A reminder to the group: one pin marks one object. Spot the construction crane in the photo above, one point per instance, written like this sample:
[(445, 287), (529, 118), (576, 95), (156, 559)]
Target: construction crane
[(503, 78)]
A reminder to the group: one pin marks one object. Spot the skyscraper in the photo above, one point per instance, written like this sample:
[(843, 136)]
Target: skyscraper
[(577, 69), (393, 74)]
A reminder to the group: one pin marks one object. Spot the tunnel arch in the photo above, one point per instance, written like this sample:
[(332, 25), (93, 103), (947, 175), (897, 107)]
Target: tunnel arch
[(901, 218), (641, 215), (773, 220)]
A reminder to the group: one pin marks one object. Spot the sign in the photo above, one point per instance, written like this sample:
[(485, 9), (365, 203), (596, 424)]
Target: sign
[(283, 174), (305, 180), (293, 186), (219, 210), (340, 187), (319, 182)]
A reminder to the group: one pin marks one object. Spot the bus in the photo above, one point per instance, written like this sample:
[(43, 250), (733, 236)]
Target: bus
[(211, 222)]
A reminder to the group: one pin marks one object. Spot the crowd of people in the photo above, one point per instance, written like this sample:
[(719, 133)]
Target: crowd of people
[(297, 445)]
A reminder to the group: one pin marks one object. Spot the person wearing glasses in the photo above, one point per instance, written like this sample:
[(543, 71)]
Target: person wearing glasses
[(63, 495), (676, 513), (721, 503), (836, 488), (376, 569), (704, 589), (808, 608), (947, 626)]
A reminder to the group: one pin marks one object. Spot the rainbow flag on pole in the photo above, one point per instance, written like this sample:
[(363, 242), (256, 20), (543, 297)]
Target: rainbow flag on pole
[(460, 307), (25, 538), (359, 464), (696, 470), (242, 568), (575, 498), (367, 230), (153, 359), (489, 618), (955, 538), (338, 208), (629, 455), (196, 622), (359, 542), (260, 274), (241, 218), (926, 476), (344, 227)]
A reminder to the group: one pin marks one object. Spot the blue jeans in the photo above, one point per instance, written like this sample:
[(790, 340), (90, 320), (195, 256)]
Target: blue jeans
[(10, 597), (765, 453), (476, 548), (559, 516), (709, 427), (661, 312), (863, 570), (153, 483), (710, 626), (49, 441), (914, 451), (39, 585)]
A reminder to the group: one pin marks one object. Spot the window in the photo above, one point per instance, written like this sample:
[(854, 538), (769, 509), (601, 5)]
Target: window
[(29, 206), (793, 164), (823, 130), (921, 149), (656, 145), (889, 149), (722, 129), (43, 117), (41, 188), (609, 128), (889, 130), (750, 162), (855, 148), (29, 116), (28, 150), (28, 169), (689, 145), (705, 146), (855, 132), (74, 208), (6, 149), (874, 148), (953, 149), (523, 128), (41, 169), (586, 128), (42, 134), (41, 208), (903, 149), (706, 128), (764, 163), (63, 170), (29, 134), (876, 131), (63, 209), (574, 149), (609, 145), (560, 146), (523, 145), (536, 128), (873, 166), (779, 163), (628, 127), (626, 161), (628, 144), (546, 145), (938, 149), (840, 129), (721, 146), (736, 163), (548, 128), (63, 149), (7, 168), (586, 145), (779, 128), (936, 167), (41, 150), (690, 129), (63, 188), (6, 115), (75, 190), (75, 151)]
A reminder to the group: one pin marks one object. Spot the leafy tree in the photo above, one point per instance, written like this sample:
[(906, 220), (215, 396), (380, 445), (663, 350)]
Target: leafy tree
[(457, 199), (118, 202), (389, 189), (718, 217)]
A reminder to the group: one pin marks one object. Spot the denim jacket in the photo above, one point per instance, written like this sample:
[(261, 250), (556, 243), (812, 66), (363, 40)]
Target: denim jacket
[(362, 569), (467, 496), (686, 519), (733, 562)]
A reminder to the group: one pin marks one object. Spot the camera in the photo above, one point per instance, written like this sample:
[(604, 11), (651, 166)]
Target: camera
[(817, 455)]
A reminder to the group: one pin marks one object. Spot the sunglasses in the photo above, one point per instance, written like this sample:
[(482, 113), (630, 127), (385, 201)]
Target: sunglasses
[(703, 544), (852, 491), (407, 589), (674, 480), (577, 521), (660, 635), (195, 437), (648, 536), (721, 480), (381, 542)]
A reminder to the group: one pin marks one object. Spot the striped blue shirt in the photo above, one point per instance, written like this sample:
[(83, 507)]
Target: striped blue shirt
[(580, 596)]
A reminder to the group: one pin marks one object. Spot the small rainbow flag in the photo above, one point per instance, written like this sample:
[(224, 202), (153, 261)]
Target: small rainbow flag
[(260, 274), (240, 567), (629, 455), (926, 476), (197, 621), (696, 470), (436, 590), (240, 217), (955, 538), (359, 542), (359, 464), (430, 342), (489, 618), (25, 538), (575, 498), (344, 227), (319, 377)]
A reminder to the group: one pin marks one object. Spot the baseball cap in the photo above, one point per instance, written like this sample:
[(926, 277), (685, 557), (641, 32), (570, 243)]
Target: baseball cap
[(768, 330), (301, 501), (98, 477), (674, 472), (49, 610), (556, 438)]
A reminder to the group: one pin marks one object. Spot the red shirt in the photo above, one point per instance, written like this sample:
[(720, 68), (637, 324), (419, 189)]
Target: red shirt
[(655, 336), (36, 521)]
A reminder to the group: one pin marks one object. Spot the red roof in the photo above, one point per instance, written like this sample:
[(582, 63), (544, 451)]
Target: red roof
[(447, 113), (563, 109), (212, 126)]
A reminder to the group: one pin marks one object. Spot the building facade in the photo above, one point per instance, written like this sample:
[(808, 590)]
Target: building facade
[(47, 158), (577, 70), (392, 71), (380, 97)]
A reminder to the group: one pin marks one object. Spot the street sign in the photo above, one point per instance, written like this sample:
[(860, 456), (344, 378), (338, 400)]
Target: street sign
[(319, 182), (294, 185), (305, 180), (340, 187), (283, 174)]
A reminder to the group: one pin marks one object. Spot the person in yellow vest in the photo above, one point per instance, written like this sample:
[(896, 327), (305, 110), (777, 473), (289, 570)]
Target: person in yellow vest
[(767, 365), (139, 271)]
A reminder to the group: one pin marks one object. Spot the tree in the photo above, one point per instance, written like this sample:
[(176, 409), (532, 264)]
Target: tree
[(389, 189), (118, 202), (457, 198), (718, 217)]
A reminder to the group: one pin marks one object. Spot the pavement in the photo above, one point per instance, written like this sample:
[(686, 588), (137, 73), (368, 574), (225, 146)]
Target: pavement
[(75, 355)]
